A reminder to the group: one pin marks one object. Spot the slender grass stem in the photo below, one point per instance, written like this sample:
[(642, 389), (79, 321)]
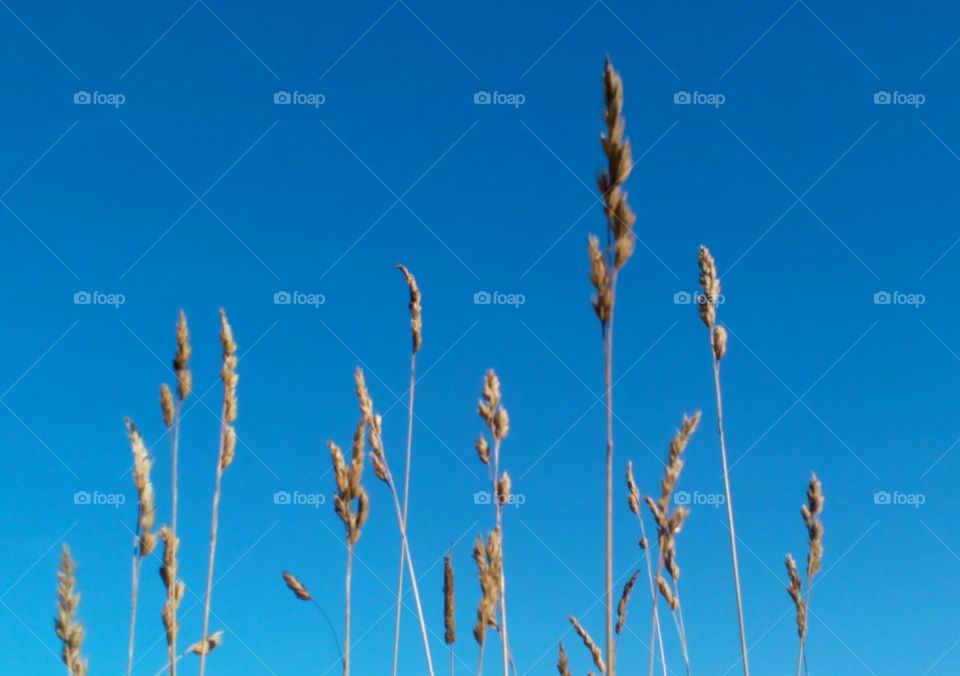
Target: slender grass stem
[(346, 612), (729, 501), (406, 503)]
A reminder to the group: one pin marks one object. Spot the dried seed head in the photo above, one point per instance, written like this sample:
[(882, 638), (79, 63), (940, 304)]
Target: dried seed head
[(181, 361), (416, 311), (620, 217), (563, 664), (212, 642), (491, 410), (483, 450), (811, 517), (229, 447), (624, 600), (374, 423), (296, 586), (175, 588), (166, 405), (603, 300), (710, 284), (669, 523), (69, 628), (591, 645), (674, 460), (633, 493), (667, 594), (146, 511), (794, 590), (228, 374), (488, 557), (449, 622), (503, 489), (349, 489), (719, 341)]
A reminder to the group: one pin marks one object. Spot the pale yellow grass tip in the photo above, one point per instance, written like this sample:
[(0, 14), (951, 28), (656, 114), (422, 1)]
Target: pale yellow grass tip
[(416, 309), (69, 628), (296, 586), (591, 645), (146, 511)]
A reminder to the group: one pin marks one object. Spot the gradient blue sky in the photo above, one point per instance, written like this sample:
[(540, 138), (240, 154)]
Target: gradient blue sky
[(199, 191)]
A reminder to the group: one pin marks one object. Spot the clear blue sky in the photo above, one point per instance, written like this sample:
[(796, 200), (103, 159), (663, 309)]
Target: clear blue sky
[(196, 190)]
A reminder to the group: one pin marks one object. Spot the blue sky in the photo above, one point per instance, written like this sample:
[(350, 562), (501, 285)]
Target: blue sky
[(183, 184)]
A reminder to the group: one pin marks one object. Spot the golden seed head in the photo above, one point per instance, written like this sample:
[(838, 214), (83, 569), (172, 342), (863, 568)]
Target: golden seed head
[(483, 450), (296, 586), (620, 217), (563, 664), (603, 299), (719, 341), (212, 642), (503, 489), (811, 517), (228, 373), (489, 559), (229, 447), (667, 593), (181, 361), (146, 510), (175, 588), (794, 589), (710, 284), (416, 311), (68, 627), (591, 645), (166, 405), (491, 410)]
